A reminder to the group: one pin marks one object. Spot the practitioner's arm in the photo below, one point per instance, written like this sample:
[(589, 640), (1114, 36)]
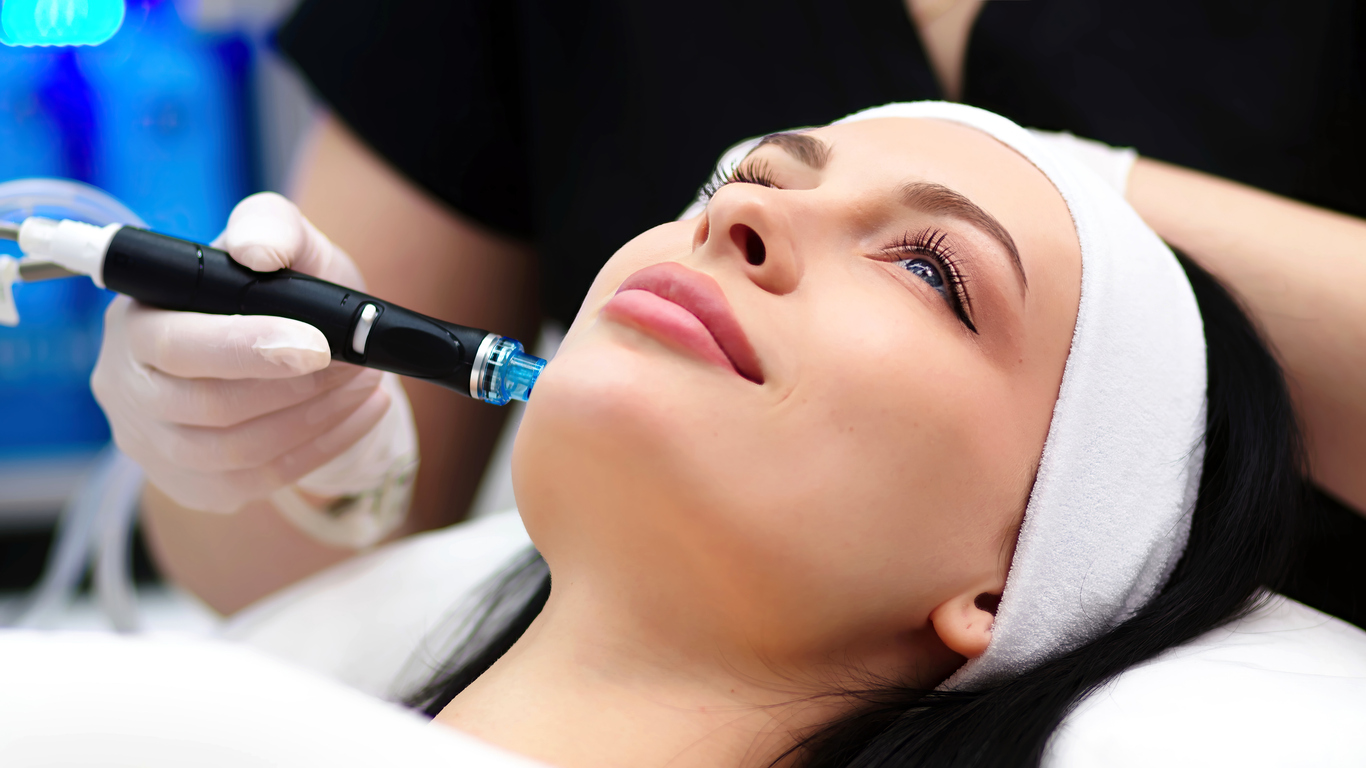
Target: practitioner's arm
[(413, 251), (1301, 271)]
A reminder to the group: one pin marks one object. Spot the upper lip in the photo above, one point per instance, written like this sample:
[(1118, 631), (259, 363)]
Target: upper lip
[(701, 295)]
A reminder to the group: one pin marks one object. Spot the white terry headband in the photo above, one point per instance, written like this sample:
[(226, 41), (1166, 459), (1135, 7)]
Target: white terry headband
[(1111, 506)]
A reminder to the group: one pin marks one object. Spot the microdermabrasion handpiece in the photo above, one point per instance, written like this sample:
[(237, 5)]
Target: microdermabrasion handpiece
[(177, 274)]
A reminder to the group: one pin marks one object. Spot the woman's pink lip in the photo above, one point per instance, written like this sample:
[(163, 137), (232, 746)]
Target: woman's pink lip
[(706, 323)]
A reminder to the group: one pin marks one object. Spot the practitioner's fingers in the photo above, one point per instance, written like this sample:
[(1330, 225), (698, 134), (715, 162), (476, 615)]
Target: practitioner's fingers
[(266, 232), (226, 492), (227, 402), (223, 410), (192, 345), (262, 440)]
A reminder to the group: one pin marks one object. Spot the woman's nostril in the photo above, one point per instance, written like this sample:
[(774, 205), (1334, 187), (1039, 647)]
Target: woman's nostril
[(750, 242), (754, 248), (702, 232)]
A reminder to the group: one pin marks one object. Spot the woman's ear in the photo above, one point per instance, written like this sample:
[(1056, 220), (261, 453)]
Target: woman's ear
[(964, 622)]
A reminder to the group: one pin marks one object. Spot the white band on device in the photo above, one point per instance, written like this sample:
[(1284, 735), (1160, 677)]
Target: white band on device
[(368, 313)]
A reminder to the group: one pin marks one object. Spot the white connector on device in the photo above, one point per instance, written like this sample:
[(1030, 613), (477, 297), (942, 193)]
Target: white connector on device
[(73, 245), (51, 248), (9, 273)]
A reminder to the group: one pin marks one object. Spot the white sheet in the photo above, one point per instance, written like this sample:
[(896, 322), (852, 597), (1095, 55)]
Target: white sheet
[(73, 699), (365, 622)]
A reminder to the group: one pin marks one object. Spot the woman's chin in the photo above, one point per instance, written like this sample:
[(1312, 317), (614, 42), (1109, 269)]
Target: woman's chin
[(616, 378), (603, 411)]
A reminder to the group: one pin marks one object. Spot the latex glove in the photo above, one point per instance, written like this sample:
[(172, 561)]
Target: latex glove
[(1112, 164), (221, 411)]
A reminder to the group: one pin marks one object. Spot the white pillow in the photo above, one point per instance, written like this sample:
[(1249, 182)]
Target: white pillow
[(71, 699), (365, 622), (1285, 686)]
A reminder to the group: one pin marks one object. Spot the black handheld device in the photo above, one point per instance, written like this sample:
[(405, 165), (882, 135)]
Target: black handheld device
[(177, 274)]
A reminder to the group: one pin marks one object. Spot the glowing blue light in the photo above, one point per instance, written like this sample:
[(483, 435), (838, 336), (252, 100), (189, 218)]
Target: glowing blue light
[(59, 22)]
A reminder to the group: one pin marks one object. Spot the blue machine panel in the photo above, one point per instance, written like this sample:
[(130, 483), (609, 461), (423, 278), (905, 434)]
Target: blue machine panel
[(158, 117)]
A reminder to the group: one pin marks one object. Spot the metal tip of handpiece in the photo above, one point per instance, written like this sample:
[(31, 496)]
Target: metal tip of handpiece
[(9, 230)]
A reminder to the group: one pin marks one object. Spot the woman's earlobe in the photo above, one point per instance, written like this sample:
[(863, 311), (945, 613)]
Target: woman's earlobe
[(964, 623)]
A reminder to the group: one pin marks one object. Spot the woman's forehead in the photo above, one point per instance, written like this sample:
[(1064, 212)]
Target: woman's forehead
[(962, 158), (923, 140)]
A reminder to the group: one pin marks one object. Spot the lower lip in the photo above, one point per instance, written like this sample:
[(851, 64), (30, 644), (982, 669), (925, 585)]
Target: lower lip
[(668, 322)]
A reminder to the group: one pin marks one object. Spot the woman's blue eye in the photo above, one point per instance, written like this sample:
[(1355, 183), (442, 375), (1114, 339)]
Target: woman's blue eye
[(925, 270), (931, 258)]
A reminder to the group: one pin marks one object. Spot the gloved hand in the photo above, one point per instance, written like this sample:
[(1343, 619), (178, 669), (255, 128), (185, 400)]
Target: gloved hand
[(1110, 163), (222, 410)]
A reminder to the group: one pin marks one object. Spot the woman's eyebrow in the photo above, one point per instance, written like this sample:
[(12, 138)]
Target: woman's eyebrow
[(937, 199), (923, 196), (808, 150)]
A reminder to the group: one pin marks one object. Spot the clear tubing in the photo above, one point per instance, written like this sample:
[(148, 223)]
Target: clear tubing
[(92, 507), (508, 373), (123, 480), (69, 554), (62, 199)]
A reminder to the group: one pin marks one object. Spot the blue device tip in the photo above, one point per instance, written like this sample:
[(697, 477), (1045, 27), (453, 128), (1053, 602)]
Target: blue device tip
[(521, 372), (510, 374)]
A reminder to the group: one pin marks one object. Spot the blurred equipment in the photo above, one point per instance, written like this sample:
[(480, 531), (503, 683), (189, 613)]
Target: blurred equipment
[(97, 521), (53, 427), (98, 518), (178, 108), (161, 116), (59, 22)]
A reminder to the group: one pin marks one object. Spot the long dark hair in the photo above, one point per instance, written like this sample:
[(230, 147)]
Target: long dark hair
[(1252, 497)]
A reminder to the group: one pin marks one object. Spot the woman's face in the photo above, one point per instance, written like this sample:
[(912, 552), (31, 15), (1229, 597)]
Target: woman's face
[(809, 418)]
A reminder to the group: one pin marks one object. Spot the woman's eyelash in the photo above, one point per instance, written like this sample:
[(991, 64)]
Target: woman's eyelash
[(935, 244), (931, 243), (756, 172)]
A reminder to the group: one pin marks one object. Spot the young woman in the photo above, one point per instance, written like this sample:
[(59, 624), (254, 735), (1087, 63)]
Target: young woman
[(904, 444)]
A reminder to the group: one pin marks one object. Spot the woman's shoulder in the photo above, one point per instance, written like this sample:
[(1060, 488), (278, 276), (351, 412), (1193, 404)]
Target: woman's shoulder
[(1285, 685), (363, 621)]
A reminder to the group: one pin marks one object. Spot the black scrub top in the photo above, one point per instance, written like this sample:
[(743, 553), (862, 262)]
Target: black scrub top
[(577, 124)]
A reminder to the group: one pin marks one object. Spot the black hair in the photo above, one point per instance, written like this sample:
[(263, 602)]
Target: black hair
[(1252, 496)]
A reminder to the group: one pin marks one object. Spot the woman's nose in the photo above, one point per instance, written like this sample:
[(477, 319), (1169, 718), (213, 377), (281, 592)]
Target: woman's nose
[(751, 228)]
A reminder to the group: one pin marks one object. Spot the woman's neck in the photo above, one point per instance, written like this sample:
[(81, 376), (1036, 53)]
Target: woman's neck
[(583, 688)]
